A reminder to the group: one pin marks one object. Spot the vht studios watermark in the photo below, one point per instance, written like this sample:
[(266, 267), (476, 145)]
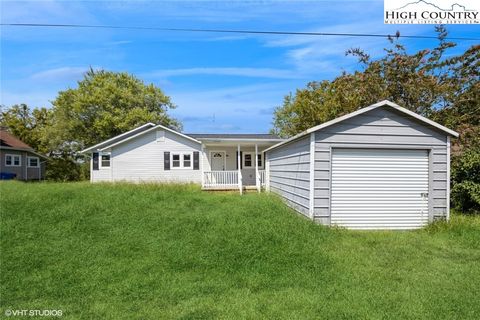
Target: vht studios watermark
[(33, 313), (432, 11)]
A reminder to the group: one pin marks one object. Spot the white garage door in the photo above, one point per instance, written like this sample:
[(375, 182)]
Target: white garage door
[(379, 189)]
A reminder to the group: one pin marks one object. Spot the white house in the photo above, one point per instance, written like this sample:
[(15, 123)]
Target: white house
[(380, 167), (155, 153)]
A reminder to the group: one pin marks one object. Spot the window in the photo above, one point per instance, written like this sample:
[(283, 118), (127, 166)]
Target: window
[(13, 160), (182, 160), (248, 160), (105, 160), (33, 162), (175, 160), (187, 160)]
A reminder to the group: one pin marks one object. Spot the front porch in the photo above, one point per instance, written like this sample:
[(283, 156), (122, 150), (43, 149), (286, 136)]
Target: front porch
[(233, 167)]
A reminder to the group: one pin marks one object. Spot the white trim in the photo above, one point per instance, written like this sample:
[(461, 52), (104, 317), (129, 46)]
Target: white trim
[(181, 154), (202, 160), (363, 110), (312, 176), (257, 173), (100, 164), (19, 156), (252, 162), (207, 140), (267, 172), (28, 162), (24, 150), (448, 177), (239, 169), (159, 126), (148, 130), (262, 159), (118, 136), (224, 158)]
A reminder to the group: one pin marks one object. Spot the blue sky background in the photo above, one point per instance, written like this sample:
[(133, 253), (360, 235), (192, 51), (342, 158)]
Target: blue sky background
[(220, 82)]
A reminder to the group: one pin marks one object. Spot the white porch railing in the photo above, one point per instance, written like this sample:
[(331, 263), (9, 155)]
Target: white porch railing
[(216, 179), (262, 177)]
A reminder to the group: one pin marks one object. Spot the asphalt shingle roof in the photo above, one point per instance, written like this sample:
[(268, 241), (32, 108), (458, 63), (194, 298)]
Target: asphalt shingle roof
[(9, 140), (232, 135)]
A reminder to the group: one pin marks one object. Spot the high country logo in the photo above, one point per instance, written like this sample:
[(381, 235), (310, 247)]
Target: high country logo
[(432, 12)]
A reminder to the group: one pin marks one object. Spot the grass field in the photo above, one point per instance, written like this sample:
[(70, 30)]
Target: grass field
[(155, 252)]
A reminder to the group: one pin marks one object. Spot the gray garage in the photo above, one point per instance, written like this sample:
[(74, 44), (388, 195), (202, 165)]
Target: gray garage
[(381, 167)]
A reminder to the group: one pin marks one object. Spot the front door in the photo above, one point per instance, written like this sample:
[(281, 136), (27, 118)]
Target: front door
[(217, 160)]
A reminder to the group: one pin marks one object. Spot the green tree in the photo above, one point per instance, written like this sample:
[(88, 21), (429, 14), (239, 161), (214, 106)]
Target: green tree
[(103, 105), (27, 124), (425, 82), (443, 88)]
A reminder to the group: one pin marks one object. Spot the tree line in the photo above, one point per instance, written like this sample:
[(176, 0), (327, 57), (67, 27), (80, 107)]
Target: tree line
[(431, 82)]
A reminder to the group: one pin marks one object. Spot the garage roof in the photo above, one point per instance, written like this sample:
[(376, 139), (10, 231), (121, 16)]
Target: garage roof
[(384, 103)]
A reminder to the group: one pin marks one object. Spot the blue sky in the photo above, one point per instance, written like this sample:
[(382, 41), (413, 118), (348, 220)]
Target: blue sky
[(220, 82)]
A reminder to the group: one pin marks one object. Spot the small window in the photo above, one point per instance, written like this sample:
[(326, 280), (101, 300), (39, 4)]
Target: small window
[(247, 162), (187, 160), (105, 160), (13, 160), (182, 160), (176, 160), (259, 160), (33, 162)]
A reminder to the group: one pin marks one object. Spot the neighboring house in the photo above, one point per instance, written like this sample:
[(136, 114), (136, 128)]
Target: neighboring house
[(19, 159), (381, 167), (155, 153)]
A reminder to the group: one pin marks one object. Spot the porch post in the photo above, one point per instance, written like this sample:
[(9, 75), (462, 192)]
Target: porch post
[(257, 174), (201, 165), (239, 159)]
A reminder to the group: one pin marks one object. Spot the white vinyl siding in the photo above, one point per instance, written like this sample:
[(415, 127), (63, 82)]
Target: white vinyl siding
[(248, 174), (142, 159), (379, 189)]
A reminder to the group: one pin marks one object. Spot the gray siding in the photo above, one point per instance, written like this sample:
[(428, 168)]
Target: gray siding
[(289, 173), (384, 129), (23, 172)]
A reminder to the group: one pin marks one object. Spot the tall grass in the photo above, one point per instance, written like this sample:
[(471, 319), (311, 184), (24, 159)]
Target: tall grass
[(172, 251)]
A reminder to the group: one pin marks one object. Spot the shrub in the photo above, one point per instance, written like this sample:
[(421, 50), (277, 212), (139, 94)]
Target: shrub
[(466, 181)]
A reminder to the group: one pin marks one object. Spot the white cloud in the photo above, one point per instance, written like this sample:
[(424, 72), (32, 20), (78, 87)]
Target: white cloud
[(60, 74)]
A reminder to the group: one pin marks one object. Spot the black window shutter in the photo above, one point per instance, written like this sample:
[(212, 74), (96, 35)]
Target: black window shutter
[(95, 160), (241, 159), (236, 158), (196, 160), (166, 160)]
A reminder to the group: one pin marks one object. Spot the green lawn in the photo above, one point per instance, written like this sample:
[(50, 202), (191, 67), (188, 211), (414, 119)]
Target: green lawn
[(154, 252)]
